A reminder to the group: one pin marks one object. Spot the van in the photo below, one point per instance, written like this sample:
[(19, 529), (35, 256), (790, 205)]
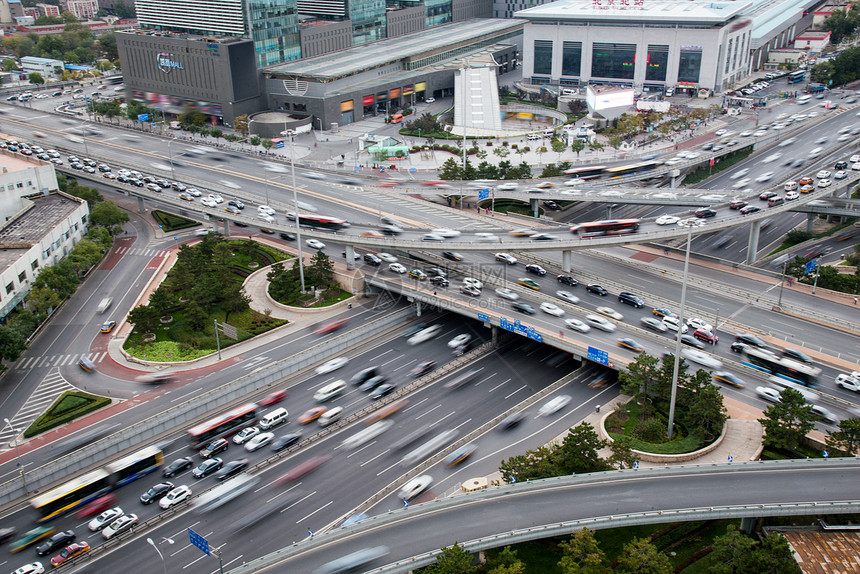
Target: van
[(533, 137), (104, 304), (330, 416), (274, 418), (330, 391), (396, 118), (815, 152), (804, 99), (774, 201), (790, 186)]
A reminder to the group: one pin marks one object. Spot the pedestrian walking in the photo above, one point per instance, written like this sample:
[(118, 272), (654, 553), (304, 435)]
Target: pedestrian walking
[(855, 300)]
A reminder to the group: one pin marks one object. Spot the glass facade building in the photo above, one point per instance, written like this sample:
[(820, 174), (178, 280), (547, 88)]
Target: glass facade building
[(543, 57), (655, 66), (368, 20), (615, 61), (274, 30), (690, 64), (571, 59)]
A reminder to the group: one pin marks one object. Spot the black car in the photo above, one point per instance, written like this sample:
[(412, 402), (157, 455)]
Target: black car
[(287, 236), (439, 281), (567, 280), (364, 375), (214, 447), (511, 421), (797, 355), (536, 269), (58, 540), (452, 255), (692, 341), (705, 212), (178, 466), (6, 534), (423, 368), (550, 204), (631, 299), (597, 290), (738, 347), (382, 391), (765, 195), (156, 492), (437, 272), (207, 467), (231, 468), (373, 382), (285, 441), (372, 259), (236, 203), (841, 165), (737, 204), (524, 308), (746, 210), (752, 340)]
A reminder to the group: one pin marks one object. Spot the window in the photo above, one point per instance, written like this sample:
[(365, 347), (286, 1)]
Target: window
[(571, 58), (690, 63), (34, 264), (22, 276), (10, 287), (543, 57), (617, 61), (655, 66), (729, 55)]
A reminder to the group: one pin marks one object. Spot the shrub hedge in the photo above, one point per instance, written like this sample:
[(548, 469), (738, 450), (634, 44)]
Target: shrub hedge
[(70, 406)]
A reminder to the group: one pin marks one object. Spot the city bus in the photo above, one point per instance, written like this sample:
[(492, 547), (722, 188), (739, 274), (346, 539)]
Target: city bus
[(223, 425), (622, 170), (319, 221), (606, 227), (588, 172), (797, 76), (96, 483), (782, 367)]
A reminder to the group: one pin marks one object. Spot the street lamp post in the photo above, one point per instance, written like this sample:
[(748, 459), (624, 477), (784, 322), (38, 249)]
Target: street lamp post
[(291, 134), (170, 159), (18, 456), (321, 128), (152, 543), (676, 367)]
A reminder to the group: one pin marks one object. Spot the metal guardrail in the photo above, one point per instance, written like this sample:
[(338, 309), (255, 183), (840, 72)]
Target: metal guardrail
[(190, 410)]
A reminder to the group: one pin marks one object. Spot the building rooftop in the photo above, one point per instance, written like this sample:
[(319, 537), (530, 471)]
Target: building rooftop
[(680, 11), (771, 16), (14, 162), (33, 224), (377, 54), (209, 39), (812, 35)]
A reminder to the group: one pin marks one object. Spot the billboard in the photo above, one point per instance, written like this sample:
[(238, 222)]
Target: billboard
[(608, 98)]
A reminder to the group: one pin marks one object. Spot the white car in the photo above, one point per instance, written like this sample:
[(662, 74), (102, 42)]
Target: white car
[(768, 393), (33, 568), (599, 322), (577, 325), (702, 358), (246, 434), (791, 195), (823, 183), (822, 174), (266, 218), (315, 243), (397, 268), (721, 132), (772, 158), (610, 312), (430, 100), (854, 158), (487, 237), (432, 237), (216, 198), (387, 257), (179, 494), (697, 323), (671, 324), (554, 405), (424, 334), (506, 293), (855, 166), (654, 324), (552, 309), (840, 175), (331, 365), (446, 233), (265, 209), (787, 142), (259, 441), (844, 138), (507, 186), (472, 282), (460, 339), (507, 258), (567, 296), (739, 173), (745, 134), (415, 487), (208, 202), (764, 177), (194, 191), (692, 222), (119, 525), (667, 220), (824, 414), (741, 183), (104, 519)]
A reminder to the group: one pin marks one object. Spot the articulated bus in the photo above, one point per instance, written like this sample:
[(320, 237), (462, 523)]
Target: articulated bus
[(91, 485), (782, 367), (633, 168), (223, 425), (606, 227), (319, 221), (588, 172)]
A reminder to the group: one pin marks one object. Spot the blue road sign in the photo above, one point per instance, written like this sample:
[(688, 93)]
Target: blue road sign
[(505, 324), (825, 454), (636, 464), (483, 317), (810, 266), (534, 335), (279, 145), (731, 458), (598, 356), (143, 117), (199, 541), (484, 194)]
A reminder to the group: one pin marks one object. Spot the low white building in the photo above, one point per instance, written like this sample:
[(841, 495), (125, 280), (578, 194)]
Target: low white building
[(48, 67), (21, 176), (813, 42)]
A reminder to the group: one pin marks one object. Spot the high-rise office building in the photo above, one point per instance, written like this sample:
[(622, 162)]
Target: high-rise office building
[(367, 16), (272, 24)]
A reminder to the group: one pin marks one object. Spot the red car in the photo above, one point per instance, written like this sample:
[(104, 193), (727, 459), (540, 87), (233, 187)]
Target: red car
[(273, 397), (96, 506), (706, 336), (70, 552), (331, 326), (301, 470)]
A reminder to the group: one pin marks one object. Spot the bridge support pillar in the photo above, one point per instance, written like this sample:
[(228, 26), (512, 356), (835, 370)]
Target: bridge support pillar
[(748, 524), (752, 246), (350, 256), (494, 335), (226, 228), (810, 219), (535, 207), (673, 181), (417, 308), (608, 211), (565, 261), (140, 206)]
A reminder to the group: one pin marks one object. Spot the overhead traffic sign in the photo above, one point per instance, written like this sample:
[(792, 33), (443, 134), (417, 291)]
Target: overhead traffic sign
[(598, 356), (199, 542)]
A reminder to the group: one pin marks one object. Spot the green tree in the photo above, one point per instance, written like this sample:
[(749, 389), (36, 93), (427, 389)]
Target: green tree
[(48, 20), (506, 558), (284, 285), (786, 422), (524, 171), (235, 300), (703, 411), (582, 554), (36, 78), (847, 438), (840, 23), (12, 344), (144, 318), (452, 560), (68, 17), (501, 151), (254, 141), (42, 300), (107, 46), (196, 315), (106, 214), (9, 65), (577, 146), (638, 378), (774, 556), (639, 556), (596, 145), (268, 144), (731, 552), (578, 451), (451, 170), (241, 124), (320, 272), (191, 116), (162, 302), (85, 254), (123, 10), (622, 453), (533, 465), (615, 142), (62, 278)]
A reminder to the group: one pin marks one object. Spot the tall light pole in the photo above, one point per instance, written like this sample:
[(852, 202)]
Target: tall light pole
[(291, 134), (170, 160), (18, 456), (321, 128), (676, 367), (152, 543)]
